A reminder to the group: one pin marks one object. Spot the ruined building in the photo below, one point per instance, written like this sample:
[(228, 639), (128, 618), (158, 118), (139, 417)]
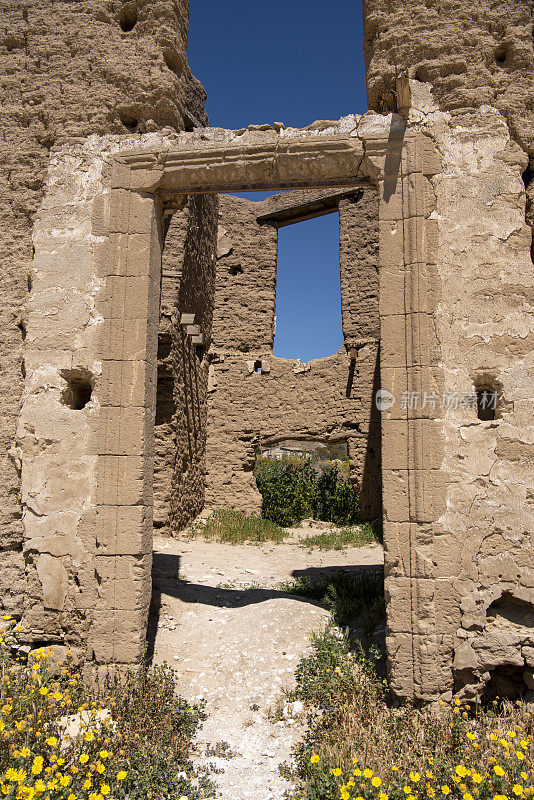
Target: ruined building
[(118, 408)]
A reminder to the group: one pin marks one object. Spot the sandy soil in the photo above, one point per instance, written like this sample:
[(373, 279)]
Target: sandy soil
[(235, 640)]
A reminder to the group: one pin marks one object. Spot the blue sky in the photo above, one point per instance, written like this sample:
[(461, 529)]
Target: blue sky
[(293, 62)]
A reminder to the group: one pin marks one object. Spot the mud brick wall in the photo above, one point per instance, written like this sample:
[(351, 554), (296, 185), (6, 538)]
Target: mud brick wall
[(329, 398), (68, 70), (461, 605), (188, 282)]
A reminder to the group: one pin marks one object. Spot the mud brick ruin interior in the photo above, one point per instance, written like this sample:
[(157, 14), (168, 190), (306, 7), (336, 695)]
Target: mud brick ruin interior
[(119, 411)]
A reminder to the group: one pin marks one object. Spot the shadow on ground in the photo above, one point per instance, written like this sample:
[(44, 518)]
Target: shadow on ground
[(166, 581)]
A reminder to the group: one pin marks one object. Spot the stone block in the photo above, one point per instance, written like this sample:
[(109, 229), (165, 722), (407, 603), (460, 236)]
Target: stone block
[(397, 549), (138, 262), (395, 445), (409, 341), (123, 530), (118, 636), (413, 197), (447, 607), (391, 258), (141, 213), (127, 383), (123, 480), (400, 664), (54, 581), (432, 665), (123, 581), (123, 431), (398, 593), (395, 499), (119, 211)]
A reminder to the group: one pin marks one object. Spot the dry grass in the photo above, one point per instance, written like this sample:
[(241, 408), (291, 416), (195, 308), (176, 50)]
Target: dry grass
[(234, 527), (357, 746), (131, 740)]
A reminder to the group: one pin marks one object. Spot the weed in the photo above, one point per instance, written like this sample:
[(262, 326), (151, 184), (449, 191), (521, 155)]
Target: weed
[(220, 750), (131, 739), (350, 596), (358, 746), (234, 527), (354, 536)]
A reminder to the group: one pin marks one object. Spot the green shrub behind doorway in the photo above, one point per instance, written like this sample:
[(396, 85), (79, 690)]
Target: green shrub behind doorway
[(296, 488)]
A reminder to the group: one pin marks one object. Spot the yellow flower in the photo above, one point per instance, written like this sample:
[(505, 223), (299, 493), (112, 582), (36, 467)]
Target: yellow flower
[(476, 777), (104, 789), (65, 780), (471, 736), (89, 736), (518, 790), (357, 773), (376, 781), (71, 796), (345, 795), (25, 752), (467, 796), (51, 741), (524, 743), (37, 766), (520, 755), (394, 768), (314, 759), (40, 786), (511, 734), (383, 796), (336, 772), (498, 770), (500, 797), (415, 777), (355, 760), (493, 737), (104, 754), (430, 791), (84, 758), (429, 774), (407, 789), (121, 775), (461, 770), (43, 690), (445, 789), (368, 773), (57, 696), (524, 776), (504, 743), (100, 768), (87, 784)]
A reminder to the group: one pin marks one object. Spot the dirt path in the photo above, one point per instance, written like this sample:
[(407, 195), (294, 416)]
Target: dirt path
[(235, 641)]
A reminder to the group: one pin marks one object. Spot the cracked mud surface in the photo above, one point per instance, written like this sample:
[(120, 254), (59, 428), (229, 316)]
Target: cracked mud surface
[(235, 641)]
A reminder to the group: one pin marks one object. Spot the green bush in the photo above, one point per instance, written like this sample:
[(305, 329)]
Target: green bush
[(295, 488), (334, 498), (286, 487)]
